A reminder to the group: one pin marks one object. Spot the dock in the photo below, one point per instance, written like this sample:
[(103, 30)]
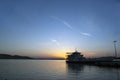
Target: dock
[(98, 63)]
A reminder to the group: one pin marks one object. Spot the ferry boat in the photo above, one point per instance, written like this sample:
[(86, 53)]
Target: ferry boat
[(74, 57)]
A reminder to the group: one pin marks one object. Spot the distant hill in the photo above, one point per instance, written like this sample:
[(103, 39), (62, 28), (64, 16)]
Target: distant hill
[(7, 56)]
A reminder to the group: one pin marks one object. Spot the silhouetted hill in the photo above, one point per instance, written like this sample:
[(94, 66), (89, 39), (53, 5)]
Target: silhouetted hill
[(7, 56)]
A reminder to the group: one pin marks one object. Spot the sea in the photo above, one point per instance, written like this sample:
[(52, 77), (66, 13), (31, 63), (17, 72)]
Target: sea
[(54, 70)]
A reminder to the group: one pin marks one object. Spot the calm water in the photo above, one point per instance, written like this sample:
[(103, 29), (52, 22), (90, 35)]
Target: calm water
[(54, 70)]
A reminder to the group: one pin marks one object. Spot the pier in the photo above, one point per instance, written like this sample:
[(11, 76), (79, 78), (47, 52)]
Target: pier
[(98, 63)]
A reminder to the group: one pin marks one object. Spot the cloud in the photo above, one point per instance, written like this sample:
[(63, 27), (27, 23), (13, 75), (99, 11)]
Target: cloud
[(55, 41), (63, 21), (85, 34)]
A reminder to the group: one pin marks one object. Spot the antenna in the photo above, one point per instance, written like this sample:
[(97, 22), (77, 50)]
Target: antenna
[(115, 48), (75, 49)]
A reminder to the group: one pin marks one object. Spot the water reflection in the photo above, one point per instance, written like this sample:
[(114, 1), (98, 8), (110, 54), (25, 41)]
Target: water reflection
[(74, 68), (111, 70), (88, 72), (117, 74), (115, 69)]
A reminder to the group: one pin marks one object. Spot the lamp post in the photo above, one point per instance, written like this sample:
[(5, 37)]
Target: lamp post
[(115, 48)]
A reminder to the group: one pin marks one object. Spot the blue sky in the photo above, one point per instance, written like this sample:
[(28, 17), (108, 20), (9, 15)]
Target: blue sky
[(49, 28)]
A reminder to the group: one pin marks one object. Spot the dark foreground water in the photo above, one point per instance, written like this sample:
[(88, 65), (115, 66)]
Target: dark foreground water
[(54, 70)]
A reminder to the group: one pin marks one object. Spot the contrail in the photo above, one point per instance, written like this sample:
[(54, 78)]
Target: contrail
[(86, 34), (69, 26), (63, 21), (56, 42)]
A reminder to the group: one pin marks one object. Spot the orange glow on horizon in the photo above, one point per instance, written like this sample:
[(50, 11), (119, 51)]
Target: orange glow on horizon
[(58, 53), (55, 54)]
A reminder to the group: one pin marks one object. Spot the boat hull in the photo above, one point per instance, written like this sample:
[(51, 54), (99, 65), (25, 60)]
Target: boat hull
[(81, 62)]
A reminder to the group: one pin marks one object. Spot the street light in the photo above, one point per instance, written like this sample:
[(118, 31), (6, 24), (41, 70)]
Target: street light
[(115, 48)]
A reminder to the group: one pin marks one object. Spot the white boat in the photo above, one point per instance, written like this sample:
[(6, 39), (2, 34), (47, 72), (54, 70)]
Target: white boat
[(75, 57)]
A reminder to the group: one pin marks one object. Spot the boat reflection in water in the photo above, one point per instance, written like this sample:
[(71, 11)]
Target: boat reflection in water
[(74, 68), (89, 72)]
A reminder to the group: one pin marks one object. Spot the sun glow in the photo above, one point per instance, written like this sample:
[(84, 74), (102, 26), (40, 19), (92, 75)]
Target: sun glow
[(59, 54)]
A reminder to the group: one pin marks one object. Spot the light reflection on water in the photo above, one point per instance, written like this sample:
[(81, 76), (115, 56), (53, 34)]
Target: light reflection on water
[(54, 70)]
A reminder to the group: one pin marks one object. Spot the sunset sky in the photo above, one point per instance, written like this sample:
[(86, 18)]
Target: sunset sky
[(50, 28)]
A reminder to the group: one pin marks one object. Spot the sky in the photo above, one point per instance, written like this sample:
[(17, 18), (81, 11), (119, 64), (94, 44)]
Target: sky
[(50, 28)]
